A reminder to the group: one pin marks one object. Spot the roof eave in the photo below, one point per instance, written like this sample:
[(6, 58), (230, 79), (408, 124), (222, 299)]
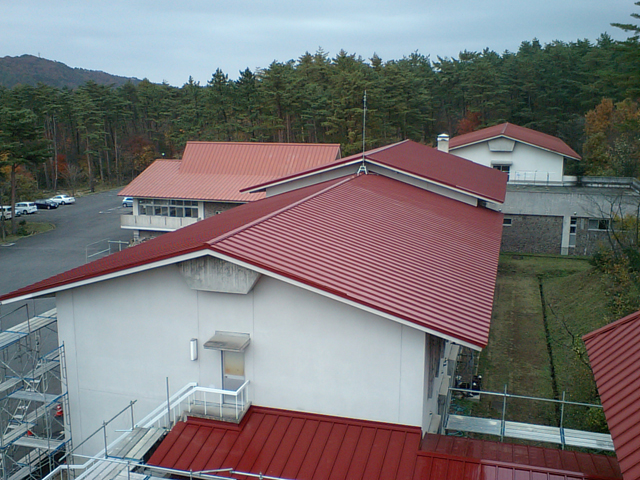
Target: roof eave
[(564, 155)]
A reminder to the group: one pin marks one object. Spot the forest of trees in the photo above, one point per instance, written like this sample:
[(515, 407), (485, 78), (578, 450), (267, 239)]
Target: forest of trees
[(582, 92)]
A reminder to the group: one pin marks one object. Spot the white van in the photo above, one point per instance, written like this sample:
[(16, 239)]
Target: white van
[(26, 208), (5, 212)]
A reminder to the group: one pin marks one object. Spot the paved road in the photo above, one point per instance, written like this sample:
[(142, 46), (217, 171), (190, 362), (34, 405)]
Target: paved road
[(92, 218)]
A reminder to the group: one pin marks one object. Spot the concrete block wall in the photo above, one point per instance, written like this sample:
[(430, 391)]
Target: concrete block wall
[(532, 234)]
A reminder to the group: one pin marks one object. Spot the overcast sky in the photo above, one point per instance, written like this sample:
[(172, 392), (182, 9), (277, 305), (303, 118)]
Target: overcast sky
[(166, 40)]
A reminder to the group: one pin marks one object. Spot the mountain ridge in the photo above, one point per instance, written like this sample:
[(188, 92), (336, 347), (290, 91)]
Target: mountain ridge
[(30, 70)]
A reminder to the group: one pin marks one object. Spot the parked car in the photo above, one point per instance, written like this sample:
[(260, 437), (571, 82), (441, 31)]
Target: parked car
[(127, 202), (26, 208), (63, 199), (5, 212), (45, 204)]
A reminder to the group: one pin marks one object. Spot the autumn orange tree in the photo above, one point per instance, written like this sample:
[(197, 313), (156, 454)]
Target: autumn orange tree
[(612, 145)]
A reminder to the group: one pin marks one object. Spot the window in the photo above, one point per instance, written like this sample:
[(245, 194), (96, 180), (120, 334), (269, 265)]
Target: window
[(503, 168), (506, 222), (599, 224), (572, 231), (168, 208)]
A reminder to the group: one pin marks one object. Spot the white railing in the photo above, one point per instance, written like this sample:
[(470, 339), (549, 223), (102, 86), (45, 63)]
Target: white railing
[(202, 400), (188, 399), (155, 222)]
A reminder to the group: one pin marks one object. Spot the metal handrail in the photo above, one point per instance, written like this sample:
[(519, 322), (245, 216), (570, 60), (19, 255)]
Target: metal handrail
[(506, 395), (103, 428), (191, 390)]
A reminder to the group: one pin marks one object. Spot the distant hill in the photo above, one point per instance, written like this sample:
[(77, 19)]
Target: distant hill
[(30, 70)]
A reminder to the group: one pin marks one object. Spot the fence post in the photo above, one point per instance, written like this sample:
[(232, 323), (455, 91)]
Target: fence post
[(104, 431), (562, 421), (504, 411), (168, 406)]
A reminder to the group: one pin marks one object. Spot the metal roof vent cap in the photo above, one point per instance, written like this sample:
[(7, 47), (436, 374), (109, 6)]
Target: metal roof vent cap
[(443, 142)]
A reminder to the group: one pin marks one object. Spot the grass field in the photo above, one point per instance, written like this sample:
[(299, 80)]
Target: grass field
[(542, 307)]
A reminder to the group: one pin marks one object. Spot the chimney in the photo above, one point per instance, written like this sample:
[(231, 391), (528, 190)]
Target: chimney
[(443, 142)]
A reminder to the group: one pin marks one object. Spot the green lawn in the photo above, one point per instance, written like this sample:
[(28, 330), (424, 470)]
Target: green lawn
[(533, 360)]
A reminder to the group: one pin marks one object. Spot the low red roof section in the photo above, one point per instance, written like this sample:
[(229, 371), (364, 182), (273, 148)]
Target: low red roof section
[(304, 446), (296, 445), (427, 163), (377, 242), (515, 132), (614, 353), (219, 170), (588, 464)]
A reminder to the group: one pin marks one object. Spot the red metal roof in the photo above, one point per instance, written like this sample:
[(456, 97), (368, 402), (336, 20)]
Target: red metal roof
[(374, 241), (515, 132), (401, 250), (614, 353), (303, 446), (219, 170), (427, 163), (590, 465)]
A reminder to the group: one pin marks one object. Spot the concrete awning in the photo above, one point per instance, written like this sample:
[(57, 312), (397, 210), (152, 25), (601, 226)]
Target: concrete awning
[(228, 341)]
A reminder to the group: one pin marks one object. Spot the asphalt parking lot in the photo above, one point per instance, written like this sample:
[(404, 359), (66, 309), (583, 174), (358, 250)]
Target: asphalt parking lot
[(93, 218)]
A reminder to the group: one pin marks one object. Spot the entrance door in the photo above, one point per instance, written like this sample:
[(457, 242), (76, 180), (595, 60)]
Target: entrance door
[(232, 374)]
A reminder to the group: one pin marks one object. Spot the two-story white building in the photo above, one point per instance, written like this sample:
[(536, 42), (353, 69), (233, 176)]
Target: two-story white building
[(347, 293), (526, 155)]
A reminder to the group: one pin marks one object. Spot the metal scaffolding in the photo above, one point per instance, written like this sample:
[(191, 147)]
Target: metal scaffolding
[(33, 427)]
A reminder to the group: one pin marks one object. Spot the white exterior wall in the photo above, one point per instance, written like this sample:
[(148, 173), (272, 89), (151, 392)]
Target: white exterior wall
[(528, 164), (124, 336)]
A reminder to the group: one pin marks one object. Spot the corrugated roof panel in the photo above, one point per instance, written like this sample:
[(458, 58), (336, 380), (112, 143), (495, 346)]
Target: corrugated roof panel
[(292, 445), (588, 464), (614, 353), (526, 135), (219, 170), (395, 248), (399, 249), (307, 446)]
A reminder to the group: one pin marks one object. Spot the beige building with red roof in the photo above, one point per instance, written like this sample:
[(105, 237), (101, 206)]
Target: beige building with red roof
[(208, 180)]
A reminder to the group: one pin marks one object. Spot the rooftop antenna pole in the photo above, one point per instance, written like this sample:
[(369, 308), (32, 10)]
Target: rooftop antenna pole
[(363, 167)]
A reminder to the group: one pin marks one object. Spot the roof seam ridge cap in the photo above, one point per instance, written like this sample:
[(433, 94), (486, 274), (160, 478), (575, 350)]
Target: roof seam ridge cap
[(233, 232)]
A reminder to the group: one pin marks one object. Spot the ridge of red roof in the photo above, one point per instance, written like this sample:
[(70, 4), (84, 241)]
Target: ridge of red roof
[(515, 132), (219, 170), (300, 445), (423, 162), (614, 354), (431, 261)]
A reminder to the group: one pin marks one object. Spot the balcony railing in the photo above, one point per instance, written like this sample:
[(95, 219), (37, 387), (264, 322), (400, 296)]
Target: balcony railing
[(220, 404), (155, 222), (225, 405)]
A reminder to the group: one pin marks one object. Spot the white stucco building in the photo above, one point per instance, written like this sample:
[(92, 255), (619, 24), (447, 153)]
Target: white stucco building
[(346, 294), (527, 156)]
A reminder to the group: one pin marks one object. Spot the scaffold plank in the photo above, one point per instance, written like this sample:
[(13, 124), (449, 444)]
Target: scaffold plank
[(35, 396), (17, 332), (527, 431), (40, 443), (9, 384)]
